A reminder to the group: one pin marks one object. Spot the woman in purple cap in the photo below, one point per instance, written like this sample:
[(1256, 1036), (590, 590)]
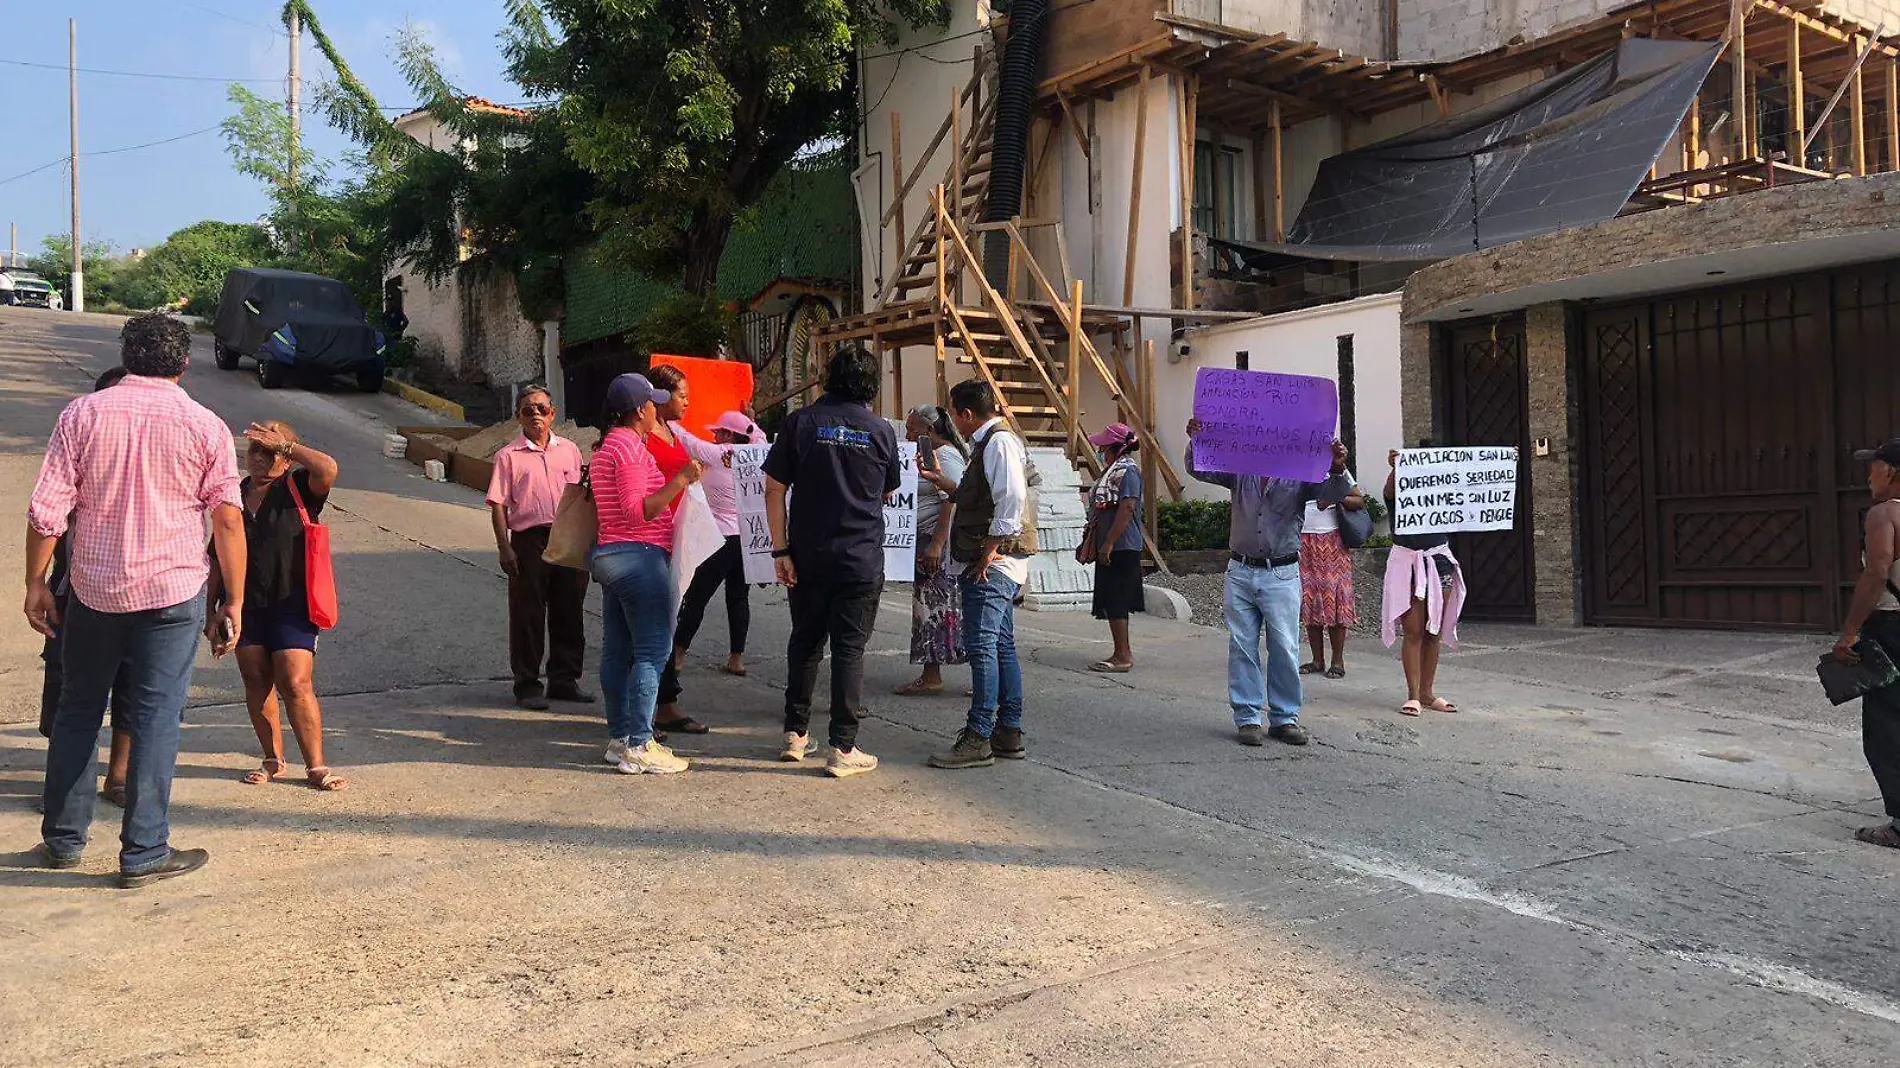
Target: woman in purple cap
[(1113, 539), (631, 562)]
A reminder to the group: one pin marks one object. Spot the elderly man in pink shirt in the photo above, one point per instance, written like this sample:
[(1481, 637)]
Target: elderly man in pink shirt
[(544, 600), (134, 471)]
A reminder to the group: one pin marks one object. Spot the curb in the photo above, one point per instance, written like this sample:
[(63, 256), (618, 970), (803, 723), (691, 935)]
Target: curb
[(425, 399), (1163, 603)]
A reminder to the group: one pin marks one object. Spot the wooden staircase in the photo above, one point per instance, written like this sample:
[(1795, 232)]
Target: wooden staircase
[(1028, 335)]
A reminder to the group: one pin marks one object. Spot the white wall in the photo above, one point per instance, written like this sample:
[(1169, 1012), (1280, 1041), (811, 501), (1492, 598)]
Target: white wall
[(1304, 343), (1358, 26)]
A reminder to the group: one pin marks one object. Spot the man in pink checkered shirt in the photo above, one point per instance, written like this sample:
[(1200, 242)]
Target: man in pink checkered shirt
[(134, 472)]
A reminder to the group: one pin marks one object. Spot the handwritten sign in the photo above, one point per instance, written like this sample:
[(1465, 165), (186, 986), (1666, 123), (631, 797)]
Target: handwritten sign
[(1261, 423), (755, 537), (1442, 491)]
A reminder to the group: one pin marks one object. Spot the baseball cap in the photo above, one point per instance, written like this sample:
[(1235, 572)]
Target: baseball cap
[(1113, 434), (1887, 452), (626, 393), (737, 423)]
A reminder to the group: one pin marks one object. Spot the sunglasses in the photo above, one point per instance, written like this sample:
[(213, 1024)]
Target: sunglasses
[(537, 409)]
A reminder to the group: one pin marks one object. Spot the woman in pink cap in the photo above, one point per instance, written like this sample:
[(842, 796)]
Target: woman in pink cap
[(726, 566), (1113, 540)]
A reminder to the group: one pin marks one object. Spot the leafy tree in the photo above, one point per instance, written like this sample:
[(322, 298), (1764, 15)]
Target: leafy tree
[(191, 264), (322, 224), (682, 111)]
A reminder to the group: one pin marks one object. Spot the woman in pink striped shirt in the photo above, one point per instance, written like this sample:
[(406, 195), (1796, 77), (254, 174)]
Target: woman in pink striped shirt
[(631, 563)]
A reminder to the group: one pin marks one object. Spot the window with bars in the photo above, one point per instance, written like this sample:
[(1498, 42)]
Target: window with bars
[(1216, 189)]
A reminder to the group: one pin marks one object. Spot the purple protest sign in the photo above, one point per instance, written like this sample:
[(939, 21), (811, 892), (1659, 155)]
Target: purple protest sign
[(1261, 423)]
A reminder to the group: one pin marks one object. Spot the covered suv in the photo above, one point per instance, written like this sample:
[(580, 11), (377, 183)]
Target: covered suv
[(291, 322)]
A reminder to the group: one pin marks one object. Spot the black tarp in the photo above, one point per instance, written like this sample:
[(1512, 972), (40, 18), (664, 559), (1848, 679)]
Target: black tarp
[(331, 330), (1567, 151)]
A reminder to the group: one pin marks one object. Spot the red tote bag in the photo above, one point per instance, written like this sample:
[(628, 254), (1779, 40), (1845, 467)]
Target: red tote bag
[(319, 578)]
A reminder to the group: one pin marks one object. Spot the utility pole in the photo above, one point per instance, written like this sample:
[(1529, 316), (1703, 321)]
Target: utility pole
[(294, 96), (77, 298), (293, 104)]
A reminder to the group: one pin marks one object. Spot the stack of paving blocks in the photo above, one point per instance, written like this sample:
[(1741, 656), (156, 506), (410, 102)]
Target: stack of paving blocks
[(1056, 582)]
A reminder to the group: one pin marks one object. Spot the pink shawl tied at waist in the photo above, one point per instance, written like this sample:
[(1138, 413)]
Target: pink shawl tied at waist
[(1414, 573)]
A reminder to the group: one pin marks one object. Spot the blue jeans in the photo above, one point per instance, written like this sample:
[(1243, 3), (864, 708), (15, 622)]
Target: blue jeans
[(1263, 601), (637, 635), (989, 636), (149, 654)]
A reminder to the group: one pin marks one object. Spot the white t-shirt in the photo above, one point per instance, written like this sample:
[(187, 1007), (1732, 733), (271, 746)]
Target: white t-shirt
[(1323, 520)]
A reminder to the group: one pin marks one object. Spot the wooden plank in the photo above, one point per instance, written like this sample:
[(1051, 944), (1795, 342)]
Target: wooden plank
[(897, 192), (1439, 98), (1151, 501), (1797, 98), (1190, 90), (1279, 175), (1738, 64), (1859, 117), (1134, 194), (1191, 315), (1076, 339), (1075, 125), (1893, 115), (1260, 222)]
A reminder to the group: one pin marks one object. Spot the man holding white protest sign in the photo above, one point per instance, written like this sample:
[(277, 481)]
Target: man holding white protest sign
[(1433, 493)]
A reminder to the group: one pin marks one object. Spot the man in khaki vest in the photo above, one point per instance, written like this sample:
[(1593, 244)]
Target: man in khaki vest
[(992, 536)]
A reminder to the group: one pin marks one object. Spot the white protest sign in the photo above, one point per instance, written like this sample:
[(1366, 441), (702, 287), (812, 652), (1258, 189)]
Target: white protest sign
[(900, 520), (755, 538), (1443, 491)]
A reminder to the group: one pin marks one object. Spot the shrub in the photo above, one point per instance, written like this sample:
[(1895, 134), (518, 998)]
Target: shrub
[(1187, 526)]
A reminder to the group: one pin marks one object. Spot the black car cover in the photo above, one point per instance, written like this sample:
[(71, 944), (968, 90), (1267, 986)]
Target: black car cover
[(331, 331)]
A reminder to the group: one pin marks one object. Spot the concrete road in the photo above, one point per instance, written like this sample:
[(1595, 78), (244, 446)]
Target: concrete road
[(1580, 869)]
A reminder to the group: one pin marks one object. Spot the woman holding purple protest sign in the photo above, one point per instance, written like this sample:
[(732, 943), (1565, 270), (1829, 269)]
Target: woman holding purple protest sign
[(1424, 594)]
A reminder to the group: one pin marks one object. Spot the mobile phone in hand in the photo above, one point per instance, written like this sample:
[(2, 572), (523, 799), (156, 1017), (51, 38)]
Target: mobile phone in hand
[(227, 632)]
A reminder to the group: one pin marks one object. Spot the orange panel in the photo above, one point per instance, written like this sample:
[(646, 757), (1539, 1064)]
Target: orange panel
[(714, 387)]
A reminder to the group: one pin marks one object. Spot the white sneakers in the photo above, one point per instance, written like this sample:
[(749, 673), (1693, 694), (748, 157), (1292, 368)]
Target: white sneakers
[(839, 765), (651, 759), (656, 759), (797, 748), (843, 765)]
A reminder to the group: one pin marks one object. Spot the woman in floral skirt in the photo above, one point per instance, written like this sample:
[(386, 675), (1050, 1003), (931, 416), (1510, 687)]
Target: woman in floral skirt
[(936, 620), (1326, 593)]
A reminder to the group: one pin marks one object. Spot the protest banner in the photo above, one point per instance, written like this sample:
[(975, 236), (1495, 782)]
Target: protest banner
[(755, 537), (717, 387), (1262, 423), (1444, 491)]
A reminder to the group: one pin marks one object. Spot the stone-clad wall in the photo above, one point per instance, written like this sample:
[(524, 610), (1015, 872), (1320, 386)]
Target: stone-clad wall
[(1812, 211)]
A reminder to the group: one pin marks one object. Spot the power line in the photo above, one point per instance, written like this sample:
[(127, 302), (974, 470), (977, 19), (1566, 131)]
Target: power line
[(231, 18), (109, 152), (140, 74)]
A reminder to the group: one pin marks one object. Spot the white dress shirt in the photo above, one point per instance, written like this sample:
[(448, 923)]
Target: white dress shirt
[(1006, 463)]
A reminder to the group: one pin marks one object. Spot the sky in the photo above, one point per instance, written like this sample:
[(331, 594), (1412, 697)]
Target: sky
[(135, 198)]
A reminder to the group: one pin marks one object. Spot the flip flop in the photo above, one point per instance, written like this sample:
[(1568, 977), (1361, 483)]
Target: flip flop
[(1336, 672), (739, 674), (1439, 704), (913, 688), (683, 725), (1109, 667), (1411, 708), (1312, 668)]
